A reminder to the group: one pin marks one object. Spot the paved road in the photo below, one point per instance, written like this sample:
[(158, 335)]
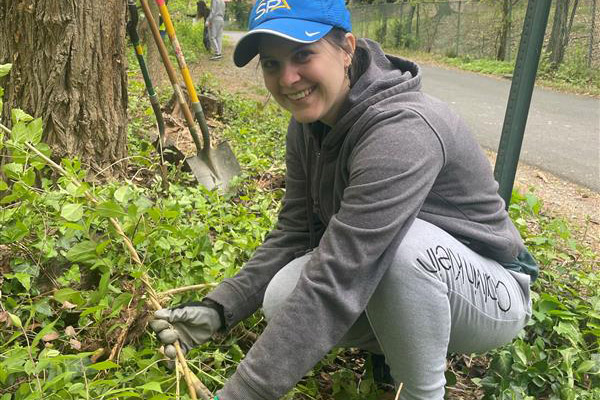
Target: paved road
[(562, 133)]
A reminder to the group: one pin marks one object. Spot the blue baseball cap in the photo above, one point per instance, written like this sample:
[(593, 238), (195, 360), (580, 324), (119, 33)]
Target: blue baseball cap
[(302, 21)]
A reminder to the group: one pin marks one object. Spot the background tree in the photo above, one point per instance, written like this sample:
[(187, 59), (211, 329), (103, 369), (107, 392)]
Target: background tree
[(561, 29), (69, 67), (505, 28)]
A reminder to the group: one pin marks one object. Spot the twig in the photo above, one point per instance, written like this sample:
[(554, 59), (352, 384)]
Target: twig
[(177, 379), (399, 390), (171, 292), (193, 383), (120, 161), (115, 352), (87, 388)]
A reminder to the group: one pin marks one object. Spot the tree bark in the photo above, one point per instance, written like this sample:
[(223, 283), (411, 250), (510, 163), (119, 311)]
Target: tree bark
[(555, 45), (69, 67), (570, 27), (409, 41), (502, 54)]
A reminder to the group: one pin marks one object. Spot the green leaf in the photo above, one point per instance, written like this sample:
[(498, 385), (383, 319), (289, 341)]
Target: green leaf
[(13, 170), (82, 252), (123, 194), (19, 132), (5, 69), (521, 356), (450, 378), (153, 386), (24, 279), (42, 307), (569, 331), (110, 209), (121, 394), (70, 295), (34, 131), (3, 185), (19, 115), (102, 246), (76, 388), (72, 212), (586, 366), (15, 320), (42, 333), (104, 365), (29, 177)]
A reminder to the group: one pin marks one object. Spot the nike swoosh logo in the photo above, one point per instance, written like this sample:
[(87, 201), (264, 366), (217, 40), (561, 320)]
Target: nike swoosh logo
[(311, 34)]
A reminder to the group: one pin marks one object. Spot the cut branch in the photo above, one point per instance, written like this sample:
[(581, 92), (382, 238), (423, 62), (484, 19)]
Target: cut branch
[(171, 292)]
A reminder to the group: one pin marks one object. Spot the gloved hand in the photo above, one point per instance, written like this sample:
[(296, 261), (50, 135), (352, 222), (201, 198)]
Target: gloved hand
[(192, 324)]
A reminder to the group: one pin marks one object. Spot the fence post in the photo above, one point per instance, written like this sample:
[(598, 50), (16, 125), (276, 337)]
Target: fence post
[(458, 27), (519, 99), (591, 48)]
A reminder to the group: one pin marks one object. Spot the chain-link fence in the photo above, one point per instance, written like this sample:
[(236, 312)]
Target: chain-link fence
[(473, 28)]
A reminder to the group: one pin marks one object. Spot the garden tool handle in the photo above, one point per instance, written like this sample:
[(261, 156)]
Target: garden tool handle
[(185, 72), (133, 22), (171, 72), (135, 40)]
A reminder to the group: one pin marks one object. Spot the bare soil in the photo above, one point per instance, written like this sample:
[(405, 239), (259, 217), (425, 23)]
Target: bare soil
[(560, 198)]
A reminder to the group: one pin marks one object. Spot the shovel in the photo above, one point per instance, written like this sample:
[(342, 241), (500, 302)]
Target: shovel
[(212, 167), (173, 154), (221, 158)]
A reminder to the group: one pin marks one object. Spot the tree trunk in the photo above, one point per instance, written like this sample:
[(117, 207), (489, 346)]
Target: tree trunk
[(555, 45), (443, 10), (69, 67), (570, 27), (408, 39), (502, 54)]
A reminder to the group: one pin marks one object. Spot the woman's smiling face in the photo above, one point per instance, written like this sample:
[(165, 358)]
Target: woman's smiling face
[(309, 80)]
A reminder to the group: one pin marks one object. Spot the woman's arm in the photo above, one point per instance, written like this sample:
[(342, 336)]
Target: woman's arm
[(242, 295)]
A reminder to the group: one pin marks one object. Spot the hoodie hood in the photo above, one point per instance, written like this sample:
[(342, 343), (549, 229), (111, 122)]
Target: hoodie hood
[(383, 77)]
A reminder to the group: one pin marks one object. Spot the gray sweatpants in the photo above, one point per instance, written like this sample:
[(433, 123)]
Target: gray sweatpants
[(437, 297), (215, 32)]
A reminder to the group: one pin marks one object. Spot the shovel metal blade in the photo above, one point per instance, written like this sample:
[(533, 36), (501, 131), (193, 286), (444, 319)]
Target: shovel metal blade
[(202, 172), (225, 164)]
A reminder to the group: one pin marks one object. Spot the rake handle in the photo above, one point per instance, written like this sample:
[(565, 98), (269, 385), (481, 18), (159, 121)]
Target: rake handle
[(185, 72), (162, 49)]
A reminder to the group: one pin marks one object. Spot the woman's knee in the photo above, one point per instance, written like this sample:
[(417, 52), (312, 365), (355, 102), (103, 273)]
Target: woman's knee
[(281, 286)]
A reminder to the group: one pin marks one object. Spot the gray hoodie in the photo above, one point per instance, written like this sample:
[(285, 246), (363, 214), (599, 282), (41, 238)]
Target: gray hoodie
[(394, 155), (217, 10)]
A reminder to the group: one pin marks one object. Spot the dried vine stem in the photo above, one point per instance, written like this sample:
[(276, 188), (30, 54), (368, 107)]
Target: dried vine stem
[(193, 383), (399, 390), (131, 316), (171, 292)]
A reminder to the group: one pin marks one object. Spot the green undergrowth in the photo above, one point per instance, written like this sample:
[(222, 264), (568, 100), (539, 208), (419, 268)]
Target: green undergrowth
[(557, 356), (68, 286)]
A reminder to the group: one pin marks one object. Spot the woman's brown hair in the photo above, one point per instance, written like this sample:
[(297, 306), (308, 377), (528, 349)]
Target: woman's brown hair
[(360, 57)]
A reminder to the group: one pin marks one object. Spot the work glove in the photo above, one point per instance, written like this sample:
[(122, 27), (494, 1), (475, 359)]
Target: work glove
[(192, 324)]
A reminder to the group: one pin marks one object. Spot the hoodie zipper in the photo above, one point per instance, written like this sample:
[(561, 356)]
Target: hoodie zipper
[(317, 178)]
